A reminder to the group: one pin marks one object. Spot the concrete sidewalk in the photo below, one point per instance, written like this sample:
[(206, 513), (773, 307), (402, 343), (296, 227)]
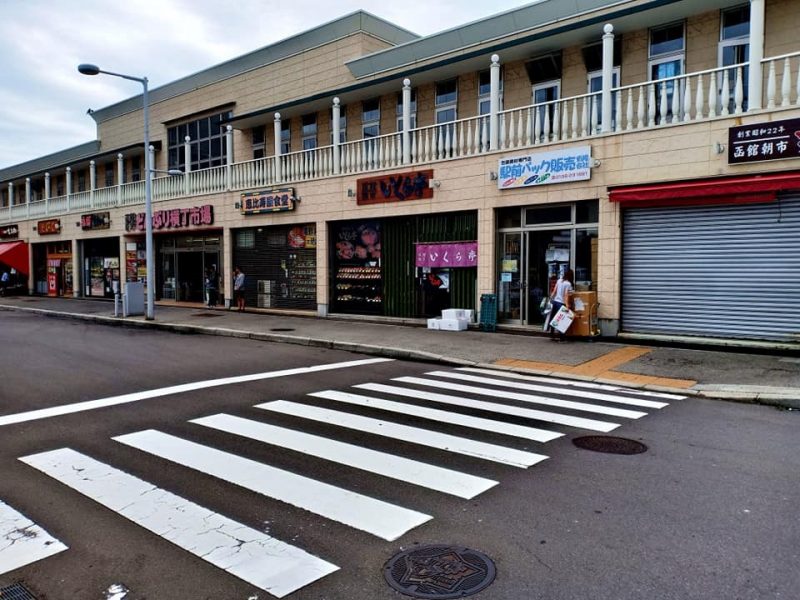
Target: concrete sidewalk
[(723, 374)]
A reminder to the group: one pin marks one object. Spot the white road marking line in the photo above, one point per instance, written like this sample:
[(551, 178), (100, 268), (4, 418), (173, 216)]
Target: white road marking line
[(377, 517), (530, 398), (406, 433), (250, 555), (22, 541), (418, 473), (443, 416), (56, 411), (503, 409), (573, 383)]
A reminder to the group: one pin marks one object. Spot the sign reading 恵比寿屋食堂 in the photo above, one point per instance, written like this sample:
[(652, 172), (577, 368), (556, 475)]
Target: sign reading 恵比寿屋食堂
[(267, 201), (764, 141)]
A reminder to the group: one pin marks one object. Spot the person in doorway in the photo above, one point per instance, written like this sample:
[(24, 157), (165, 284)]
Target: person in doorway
[(238, 288), (561, 296), (212, 285), (3, 282)]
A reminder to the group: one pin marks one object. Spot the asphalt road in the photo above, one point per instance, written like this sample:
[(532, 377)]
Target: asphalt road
[(708, 512)]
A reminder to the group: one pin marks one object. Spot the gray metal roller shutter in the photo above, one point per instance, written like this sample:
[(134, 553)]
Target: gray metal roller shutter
[(714, 271)]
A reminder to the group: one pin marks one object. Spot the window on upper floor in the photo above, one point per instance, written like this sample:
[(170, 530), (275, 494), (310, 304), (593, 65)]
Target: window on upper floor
[(734, 48), (399, 110), (666, 54), (309, 131), (136, 171), (81, 181), (206, 142), (446, 101), (485, 91), (109, 174), (594, 82), (286, 136), (60, 186), (371, 118), (259, 141)]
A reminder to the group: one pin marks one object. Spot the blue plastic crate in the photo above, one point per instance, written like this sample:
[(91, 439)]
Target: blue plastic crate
[(488, 312)]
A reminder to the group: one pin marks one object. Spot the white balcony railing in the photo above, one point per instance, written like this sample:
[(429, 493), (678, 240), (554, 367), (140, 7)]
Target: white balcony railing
[(703, 95)]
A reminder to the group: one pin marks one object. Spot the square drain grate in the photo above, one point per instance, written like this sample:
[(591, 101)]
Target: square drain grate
[(16, 591)]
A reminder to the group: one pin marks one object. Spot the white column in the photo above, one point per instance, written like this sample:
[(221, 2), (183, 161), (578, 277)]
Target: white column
[(187, 159), (756, 54), (337, 134), (69, 185), (120, 173), (151, 155), (406, 121), (10, 194), (27, 190), (276, 128), (47, 186), (76, 270), (92, 181), (225, 280), (228, 156), (494, 102), (608, 76), (151, 150)]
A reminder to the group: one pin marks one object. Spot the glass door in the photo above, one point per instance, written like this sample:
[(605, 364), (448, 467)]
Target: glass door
[(549, 255), (509, 286)]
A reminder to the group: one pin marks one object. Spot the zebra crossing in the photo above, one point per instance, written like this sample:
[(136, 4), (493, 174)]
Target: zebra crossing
[(281, 568)]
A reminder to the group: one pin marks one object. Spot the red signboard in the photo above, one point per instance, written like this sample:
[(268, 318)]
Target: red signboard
[(49, 227), (395, 188)]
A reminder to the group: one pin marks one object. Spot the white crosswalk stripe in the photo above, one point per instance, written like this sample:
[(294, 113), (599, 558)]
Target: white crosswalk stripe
[(494, 407), (22, 541), (550, 390), (443, 416), (389, 465), (569, 383), (415, 435), (568, 404), (377, 517), (254, 557)]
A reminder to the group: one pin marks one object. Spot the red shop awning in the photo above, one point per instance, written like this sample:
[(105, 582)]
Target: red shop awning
[(15, 255), (722, 190)]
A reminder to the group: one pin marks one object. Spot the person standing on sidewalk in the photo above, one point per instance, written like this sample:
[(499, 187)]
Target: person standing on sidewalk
[(238, 288), (212, 284), (562, 296)]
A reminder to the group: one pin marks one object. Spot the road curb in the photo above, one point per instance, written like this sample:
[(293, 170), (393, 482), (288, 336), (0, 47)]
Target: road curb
[(778, 397)]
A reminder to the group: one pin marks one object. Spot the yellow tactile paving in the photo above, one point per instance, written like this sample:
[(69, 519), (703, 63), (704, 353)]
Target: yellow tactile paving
[(602, 368)]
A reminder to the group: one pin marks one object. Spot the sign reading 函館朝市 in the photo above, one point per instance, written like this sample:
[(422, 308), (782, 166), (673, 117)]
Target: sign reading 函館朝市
[(764, 141), (560, 166)]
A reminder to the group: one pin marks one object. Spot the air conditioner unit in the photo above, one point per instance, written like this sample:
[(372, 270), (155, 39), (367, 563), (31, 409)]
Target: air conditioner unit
[(265, 286), (264, 301)]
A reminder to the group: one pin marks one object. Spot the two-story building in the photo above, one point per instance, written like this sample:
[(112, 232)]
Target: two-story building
[(650, 145)]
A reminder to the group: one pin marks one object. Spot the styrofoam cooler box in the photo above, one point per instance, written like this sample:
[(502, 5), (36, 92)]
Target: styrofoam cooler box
[(433, 323), (459, 313), (453, 324)]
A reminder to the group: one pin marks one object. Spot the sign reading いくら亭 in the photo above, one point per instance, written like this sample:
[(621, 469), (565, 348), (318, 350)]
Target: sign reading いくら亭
[(394, 188), (560, 166), (447, 254)]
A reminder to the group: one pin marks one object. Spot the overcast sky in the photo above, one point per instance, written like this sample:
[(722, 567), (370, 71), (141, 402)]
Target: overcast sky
[(43, 98)]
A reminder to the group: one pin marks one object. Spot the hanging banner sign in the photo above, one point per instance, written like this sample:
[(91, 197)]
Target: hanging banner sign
[(449, 254), (100, 220), (764, 141), (267, 201), (49, 227), (176, 218), (8, 232), (560, 166), (394, 188)]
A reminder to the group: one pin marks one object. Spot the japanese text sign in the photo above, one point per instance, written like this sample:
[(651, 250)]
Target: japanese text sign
[(561, 166), (455, 254), (176, 218), (9, 231), (100, 220), (394, 188), (764, 141), (49, 227), (267, 201)]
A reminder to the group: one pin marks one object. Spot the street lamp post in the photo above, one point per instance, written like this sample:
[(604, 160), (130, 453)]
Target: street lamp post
[(87, 69)]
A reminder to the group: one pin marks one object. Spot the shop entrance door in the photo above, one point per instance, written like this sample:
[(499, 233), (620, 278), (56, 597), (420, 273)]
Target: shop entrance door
[(190, 276), (548, 256)]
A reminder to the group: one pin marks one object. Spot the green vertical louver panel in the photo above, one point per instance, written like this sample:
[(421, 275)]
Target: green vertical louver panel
[(399, 281)]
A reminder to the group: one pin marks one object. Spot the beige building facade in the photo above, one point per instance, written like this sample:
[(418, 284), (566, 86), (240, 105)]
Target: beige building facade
[(357, 168)]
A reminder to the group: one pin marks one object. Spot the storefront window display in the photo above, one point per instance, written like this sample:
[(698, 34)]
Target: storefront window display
[(280, 265), (101, 267), (357, 274), (52, 264)]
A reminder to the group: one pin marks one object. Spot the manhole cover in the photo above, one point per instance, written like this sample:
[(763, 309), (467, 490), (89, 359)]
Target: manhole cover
[(205, 314), (16, 591), (281, 329), (439, 572), (609, 444)]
